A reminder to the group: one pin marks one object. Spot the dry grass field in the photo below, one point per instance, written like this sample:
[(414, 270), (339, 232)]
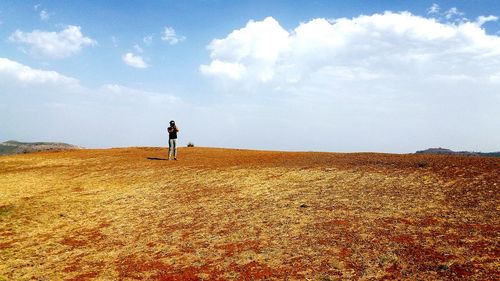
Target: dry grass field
[(219, 214)]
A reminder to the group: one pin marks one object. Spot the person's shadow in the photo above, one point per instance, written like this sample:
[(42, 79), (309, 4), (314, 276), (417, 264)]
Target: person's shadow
[(156, 158)]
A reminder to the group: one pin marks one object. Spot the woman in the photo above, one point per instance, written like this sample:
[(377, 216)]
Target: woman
[(172, 140)]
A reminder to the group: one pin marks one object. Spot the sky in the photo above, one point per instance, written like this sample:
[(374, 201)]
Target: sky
[(340, 76)]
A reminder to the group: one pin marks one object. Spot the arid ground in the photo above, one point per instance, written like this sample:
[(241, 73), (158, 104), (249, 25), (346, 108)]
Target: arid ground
[(219, 214)]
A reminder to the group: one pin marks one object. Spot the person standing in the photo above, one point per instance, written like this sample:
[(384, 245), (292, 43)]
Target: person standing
[(172, 140)]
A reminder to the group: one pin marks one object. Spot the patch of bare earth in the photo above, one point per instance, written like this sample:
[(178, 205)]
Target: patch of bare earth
[(217, 214)]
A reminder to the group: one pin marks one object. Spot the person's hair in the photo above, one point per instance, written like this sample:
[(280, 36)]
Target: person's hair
[(172, 122)]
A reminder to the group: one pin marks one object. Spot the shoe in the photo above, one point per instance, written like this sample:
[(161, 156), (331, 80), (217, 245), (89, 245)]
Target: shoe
[(175, 158)]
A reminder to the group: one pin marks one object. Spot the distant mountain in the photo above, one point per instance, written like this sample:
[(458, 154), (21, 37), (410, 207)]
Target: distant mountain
[(16, 147), (441, 150)]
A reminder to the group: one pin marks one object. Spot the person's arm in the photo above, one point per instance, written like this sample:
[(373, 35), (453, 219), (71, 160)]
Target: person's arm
[(170, 129), (177, 129)]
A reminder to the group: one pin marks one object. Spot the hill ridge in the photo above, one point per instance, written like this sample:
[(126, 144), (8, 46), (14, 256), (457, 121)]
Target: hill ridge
[(440, 150), (17, 147)]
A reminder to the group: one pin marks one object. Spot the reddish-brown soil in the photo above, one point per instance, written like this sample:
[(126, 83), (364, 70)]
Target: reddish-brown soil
[(220, 214)]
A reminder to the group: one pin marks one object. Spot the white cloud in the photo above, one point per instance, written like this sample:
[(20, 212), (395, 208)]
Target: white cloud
[(484, 19), (148, 40), (434, 9), (217, 67), (252, 51), (44, 15), (138, 48), (20, 76), (171, 37), (451, 15), (114, 41), (26, 75), (453, 12), (382, 46), (121, 91), (62, 44), (134, 60)]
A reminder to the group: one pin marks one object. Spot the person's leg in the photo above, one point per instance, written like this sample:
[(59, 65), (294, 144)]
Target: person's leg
[(170, 144), (175, 149)]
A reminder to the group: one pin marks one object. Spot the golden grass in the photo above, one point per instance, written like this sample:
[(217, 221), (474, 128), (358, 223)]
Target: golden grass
[(239, 214)]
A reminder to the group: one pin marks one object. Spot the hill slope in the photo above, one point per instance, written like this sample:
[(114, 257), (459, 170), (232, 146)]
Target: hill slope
[(16, 147), (441, 150), (237, 214)]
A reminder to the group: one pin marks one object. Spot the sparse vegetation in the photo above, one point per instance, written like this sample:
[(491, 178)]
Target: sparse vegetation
[(6, 210), (247, 215), (190, 144)]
